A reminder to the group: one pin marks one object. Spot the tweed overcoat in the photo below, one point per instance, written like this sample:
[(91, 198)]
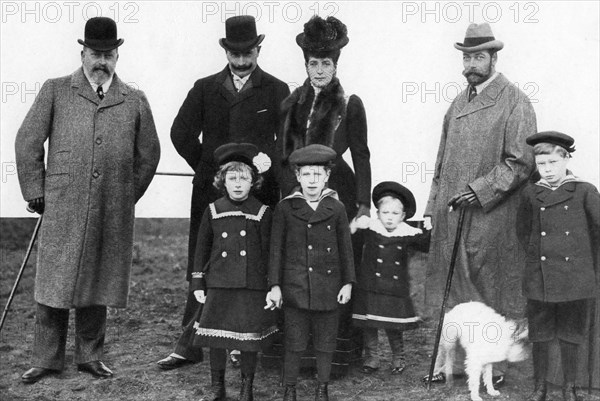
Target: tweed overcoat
[(102, 155), (483, 148), (311, 252), (214, 111), (560, 229)]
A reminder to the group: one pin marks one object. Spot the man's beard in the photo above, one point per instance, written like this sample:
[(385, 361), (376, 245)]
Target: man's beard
[(475, 78)]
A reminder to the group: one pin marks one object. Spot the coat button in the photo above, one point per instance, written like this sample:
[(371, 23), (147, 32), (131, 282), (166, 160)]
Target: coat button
[(397, 263), (379, 260), (567, 259), (399, 247), (378, 274), (96, 174), (243, 253), (224, 235), (243, 233), (566, 207), (381, 246), (543, 233), (98, 141), (329, 228), (567, 233), (224, 254), (543, 258), (328, 271), (309, 226), (328, 250), (395, 277), (310, 269), (310, 247), (542, 209)]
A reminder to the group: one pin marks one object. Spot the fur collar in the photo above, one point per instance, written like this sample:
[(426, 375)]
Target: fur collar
[(322, 119), (403, 229)]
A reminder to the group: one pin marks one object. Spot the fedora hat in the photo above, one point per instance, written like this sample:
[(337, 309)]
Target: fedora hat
[(323, 35), (479, 37), (395, 190), (101, 34), (240, 34)]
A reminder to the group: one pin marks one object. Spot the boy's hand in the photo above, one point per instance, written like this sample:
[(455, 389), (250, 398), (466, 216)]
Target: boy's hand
[(200, 296), (345, 294), (427, 223), (274, 299)]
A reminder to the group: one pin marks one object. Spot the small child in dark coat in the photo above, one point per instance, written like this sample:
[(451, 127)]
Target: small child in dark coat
[(382, 294), (230, 271), (558, 223), (311, 268)]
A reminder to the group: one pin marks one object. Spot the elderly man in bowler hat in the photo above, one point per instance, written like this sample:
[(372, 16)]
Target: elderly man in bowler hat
[(238, 104), (482, 163), (102, 154)]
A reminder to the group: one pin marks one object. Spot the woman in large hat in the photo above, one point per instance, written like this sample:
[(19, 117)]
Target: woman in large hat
[(320, 112)]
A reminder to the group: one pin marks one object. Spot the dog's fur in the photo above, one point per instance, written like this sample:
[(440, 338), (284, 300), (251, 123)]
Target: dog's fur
[(486, 337)]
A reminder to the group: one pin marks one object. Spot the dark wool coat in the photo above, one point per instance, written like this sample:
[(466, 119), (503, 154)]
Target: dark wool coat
[(311, 253), (221, 115), (233, 246), (102, 155), (482, 147), (337, 122), (561, 231)]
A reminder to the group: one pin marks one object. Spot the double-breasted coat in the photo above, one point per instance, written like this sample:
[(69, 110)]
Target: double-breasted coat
[(560, 229), (483, 148), (102, 155), (311, 252), (214, 111)]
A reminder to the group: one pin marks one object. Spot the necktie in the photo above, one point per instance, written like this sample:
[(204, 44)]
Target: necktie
[(100, 92), (472, 92), (238, 83)]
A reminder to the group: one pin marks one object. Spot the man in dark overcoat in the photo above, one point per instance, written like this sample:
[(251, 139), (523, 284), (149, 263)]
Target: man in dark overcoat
[(481, 164), (102, 154), (239, 104)]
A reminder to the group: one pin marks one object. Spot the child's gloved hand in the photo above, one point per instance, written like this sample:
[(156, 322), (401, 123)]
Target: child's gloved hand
[(200, 296), (427, 224), (361, 223), (345, 294), (274, 298)]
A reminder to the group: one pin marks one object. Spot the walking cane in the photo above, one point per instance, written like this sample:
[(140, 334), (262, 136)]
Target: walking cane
[(14, 289), (591, 348), (438, 334)]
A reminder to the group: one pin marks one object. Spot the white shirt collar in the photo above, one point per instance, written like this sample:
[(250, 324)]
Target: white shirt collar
[(240, 79), (568, 178), (479, 88), (105, 85)]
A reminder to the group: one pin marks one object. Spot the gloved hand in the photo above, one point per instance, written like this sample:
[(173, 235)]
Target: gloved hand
[(463, 199), (200, 296), (36, 205)]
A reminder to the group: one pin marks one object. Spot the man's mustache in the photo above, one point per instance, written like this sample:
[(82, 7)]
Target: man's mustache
[(242, 67), (101, 68), (466, 73)]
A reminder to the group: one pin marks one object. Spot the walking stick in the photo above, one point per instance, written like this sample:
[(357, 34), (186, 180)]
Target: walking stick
[(438, 334), (14, 288), (591, 348)]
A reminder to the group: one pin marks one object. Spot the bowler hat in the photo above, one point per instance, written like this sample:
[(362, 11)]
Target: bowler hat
[(312, 155), (479, 37), (323, 35), (240, 34), (236, 152), (553, 137), (391, 188), (101, 34)]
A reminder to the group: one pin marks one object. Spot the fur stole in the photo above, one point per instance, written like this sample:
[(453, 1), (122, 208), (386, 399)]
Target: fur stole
[(329, 111)]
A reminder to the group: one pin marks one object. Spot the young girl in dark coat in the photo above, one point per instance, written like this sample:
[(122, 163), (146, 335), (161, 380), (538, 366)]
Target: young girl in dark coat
[(382, 295), (558, 223), (230, 271)]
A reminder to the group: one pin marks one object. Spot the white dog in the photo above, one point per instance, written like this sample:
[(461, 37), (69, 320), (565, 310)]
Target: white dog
[(486, 337)]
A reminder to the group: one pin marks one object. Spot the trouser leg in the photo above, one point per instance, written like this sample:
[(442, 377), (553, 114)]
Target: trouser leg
[(540, 361), (90, 330), (218, 358), (291, 367), (249, 362), (323, 365), (396, 340), (568, 355), (370, 345), (50, 338)]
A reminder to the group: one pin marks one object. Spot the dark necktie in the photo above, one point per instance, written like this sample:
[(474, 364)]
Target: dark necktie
[(100, 92), (472, 92)]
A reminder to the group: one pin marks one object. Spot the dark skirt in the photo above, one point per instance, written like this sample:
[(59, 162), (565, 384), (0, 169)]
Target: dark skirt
[(383, 311), (233, 319)]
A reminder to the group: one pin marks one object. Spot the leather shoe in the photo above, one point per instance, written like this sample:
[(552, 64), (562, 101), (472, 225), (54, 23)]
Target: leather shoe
[(96, 368), (171, 362), (35, 374)]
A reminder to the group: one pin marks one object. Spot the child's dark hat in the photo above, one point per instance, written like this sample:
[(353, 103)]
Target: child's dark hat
[(101, 34), (312, 155), (236, 152), (391, 188), (553, 137), (323, 35)]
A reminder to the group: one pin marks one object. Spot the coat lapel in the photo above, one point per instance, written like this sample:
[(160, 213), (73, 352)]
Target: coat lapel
[(116, 93), (249, 89), (485, 99), (324, 211), (225, 85), (82, 86), (549, 197)]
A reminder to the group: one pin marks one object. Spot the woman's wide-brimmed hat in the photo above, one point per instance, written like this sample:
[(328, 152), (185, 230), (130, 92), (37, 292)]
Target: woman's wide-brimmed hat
[(479, 37), (323, 35), (240, 34), (101, 34), (391, 188)]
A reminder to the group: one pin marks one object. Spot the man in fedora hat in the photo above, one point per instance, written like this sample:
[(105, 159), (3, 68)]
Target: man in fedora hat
[(482, 162), (102, 154), (238, 104)]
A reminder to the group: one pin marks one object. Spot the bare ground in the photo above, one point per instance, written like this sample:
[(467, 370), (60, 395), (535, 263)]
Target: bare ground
[(147, 330)]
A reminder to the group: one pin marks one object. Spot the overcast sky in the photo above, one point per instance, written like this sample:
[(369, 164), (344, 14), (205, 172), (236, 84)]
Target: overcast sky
[(400, 60)]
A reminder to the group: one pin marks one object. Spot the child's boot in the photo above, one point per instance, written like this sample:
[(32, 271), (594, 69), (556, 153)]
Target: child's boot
[(569, 393), (246, 389), (321, 393), (540, 358), (289, 393), (216, 391)]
